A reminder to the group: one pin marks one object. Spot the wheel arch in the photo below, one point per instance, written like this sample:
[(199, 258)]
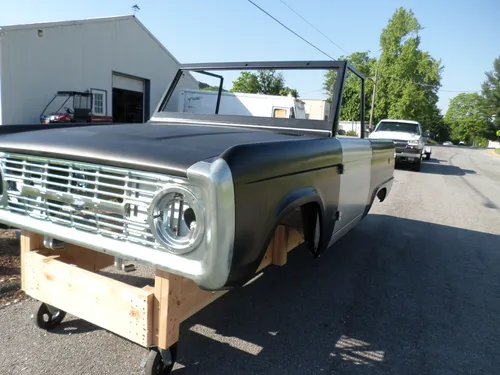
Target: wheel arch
[(304, 210)]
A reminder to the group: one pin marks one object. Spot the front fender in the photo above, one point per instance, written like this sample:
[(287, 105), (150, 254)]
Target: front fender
[(297, 198)]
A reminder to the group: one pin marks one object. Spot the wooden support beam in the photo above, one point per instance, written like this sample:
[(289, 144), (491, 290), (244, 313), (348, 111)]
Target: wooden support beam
[(167, 292), (147, 316), (105, 302), (280, 246), (29, 242), (82, 257)]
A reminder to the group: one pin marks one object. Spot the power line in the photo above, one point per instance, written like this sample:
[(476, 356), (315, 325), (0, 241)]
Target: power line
[(310, 24), (428, 85), (324, 53), (286, 27)]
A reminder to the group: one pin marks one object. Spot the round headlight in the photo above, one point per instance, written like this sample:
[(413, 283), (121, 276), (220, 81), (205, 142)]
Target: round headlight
[(177, 219)]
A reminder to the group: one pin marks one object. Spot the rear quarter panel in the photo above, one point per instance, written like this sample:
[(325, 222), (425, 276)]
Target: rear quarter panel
[(354, 183), (382, 167)]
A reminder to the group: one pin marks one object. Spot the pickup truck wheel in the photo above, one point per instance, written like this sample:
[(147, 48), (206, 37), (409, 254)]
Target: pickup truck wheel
[(416, 166)]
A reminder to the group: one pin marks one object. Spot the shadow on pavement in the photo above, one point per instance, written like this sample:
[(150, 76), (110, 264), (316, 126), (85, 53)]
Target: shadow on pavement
[(393, 295), (444, 169), (74, 327)]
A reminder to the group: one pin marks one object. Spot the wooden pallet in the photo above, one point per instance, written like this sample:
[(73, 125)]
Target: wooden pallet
[(148, 316)]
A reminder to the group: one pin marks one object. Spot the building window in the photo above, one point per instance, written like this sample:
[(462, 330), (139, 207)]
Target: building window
[(279, 112), (99, 102)]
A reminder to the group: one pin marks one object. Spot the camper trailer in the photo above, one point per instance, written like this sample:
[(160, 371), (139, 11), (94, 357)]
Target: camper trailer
[(240, 104)]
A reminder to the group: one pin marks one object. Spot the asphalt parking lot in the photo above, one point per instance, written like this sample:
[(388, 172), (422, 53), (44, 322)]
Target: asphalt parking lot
[(414, 289)]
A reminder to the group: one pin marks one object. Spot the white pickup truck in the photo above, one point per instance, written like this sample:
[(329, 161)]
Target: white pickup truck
[(408, 138)]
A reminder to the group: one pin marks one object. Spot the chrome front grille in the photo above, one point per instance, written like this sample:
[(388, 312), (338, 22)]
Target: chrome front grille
[(103, 200), (400, 144)]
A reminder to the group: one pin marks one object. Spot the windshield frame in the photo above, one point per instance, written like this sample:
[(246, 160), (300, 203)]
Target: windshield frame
[(326, 127)]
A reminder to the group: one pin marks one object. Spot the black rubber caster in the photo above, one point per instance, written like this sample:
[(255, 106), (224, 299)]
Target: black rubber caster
[(161, 362), (49, 317)]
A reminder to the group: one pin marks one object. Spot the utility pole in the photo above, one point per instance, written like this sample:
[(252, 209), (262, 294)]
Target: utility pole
[(373, 96)]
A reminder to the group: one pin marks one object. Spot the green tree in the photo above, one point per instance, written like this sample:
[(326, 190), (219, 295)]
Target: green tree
[(437, 126), (207, 87), (351, 103), (247, 82), (265, 81), (271, 83), (491, 93), (288, 91), (466, 118), (408, 78)]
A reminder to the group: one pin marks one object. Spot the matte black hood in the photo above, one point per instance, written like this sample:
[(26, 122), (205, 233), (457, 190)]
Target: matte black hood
[(166, 148)]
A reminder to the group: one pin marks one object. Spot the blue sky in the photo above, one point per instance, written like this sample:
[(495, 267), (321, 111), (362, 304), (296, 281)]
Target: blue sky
[(463, 34)]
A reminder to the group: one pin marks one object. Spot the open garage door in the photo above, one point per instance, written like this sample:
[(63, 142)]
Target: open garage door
[(128, 99)]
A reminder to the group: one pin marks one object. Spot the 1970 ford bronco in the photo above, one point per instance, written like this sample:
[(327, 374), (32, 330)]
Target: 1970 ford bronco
[(195, 194)]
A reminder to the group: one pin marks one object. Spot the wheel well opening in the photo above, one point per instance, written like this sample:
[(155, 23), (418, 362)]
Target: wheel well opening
[(304, 219), (382, 193)]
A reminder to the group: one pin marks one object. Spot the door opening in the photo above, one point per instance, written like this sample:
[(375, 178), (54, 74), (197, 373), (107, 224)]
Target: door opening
[(128, 106)]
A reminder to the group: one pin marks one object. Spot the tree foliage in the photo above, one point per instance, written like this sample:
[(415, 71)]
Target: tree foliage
[(408, 78), (407, 83), (474, 117), (351, 99), (288, 91), (207, 87), (265, 81), (491, 93), (437, 125), (466, 118)]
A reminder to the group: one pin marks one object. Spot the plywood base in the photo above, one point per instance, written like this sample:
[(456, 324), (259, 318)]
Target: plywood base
[(148, 316)]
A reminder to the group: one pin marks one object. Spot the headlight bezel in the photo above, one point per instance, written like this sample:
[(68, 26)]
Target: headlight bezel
[(177, 245)]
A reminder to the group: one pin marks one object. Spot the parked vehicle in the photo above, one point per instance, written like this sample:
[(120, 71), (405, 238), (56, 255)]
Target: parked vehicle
[(71, 106), (408, 139), (196, 195), (242, 104), (448, 143)]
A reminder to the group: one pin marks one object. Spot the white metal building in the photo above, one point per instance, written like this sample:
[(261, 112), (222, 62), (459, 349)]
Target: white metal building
[(316, 109), (117, 59)]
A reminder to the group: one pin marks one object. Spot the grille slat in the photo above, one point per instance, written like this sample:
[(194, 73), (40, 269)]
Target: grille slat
[(137, 174), (102, 200), (77, 180)]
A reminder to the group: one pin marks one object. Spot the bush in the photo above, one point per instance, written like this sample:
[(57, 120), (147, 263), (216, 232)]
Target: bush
[(351, 133), (481, 142)]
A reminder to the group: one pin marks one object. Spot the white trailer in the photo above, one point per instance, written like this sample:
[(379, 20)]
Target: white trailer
[(242, 104)]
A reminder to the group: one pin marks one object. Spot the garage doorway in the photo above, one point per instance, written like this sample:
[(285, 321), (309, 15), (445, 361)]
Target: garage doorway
[(128, 99)]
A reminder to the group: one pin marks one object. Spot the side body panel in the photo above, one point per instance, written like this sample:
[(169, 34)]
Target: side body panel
[(382, 169), (270, 181), (354, 184)]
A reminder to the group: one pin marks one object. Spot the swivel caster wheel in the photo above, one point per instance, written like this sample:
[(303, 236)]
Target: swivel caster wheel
[(49, 317), (161, 362)]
